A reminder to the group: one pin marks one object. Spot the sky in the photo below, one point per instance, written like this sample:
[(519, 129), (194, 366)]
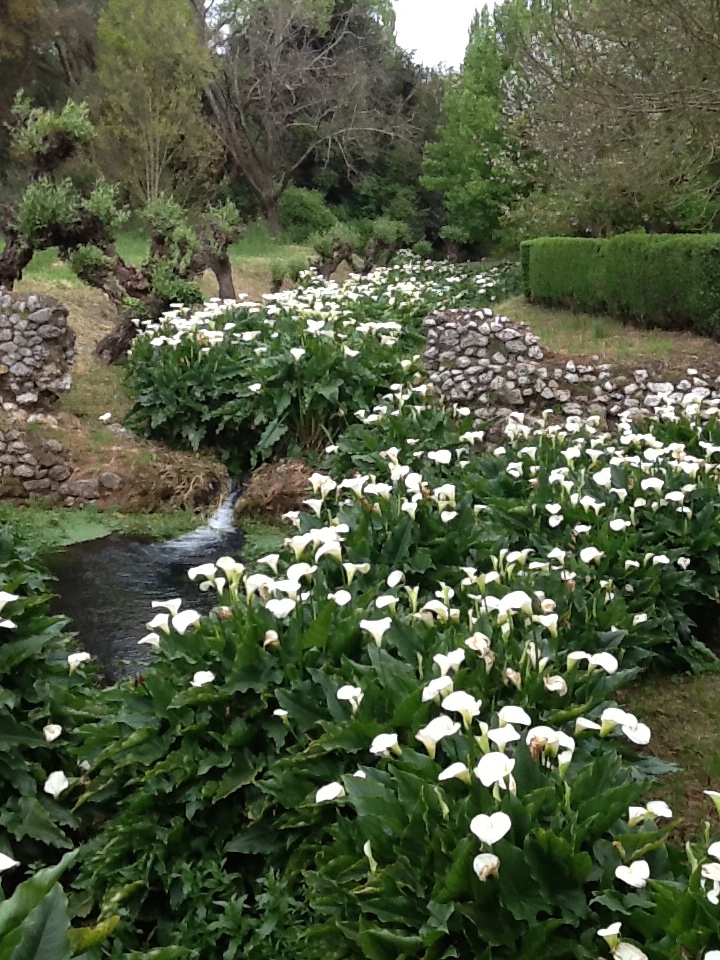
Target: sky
[(436, 29)]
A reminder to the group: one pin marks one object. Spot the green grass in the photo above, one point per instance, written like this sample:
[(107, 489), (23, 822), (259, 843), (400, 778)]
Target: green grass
[(682, 713), (44, 529), (261, 538)]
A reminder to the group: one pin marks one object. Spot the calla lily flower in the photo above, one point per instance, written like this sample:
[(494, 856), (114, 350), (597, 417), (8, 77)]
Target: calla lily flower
[(353, 695), (281, 608), (501, 736), (75, 659), (395, 579), (464, 704), (486, 865), (511, 714), (352, 568), (384, 744), (331, 548), (8, 624), (271, 560), (494, 768), (628, 951), (490, 829), (201, 678), (582, 724), (435, 731), (340, 597), (172, 605), (514, 601), (590, 554), (56, 784), (440, 456), (205, 570), (606, 661), (556, 684), (456, 771), (332, 791), (439, 686), (183, 621), (377, 628), (478, 643), (151, 639), (353, 484), (636, 875), (549, 621), (6, 598), (7, 863), (450, 661), (52, 731)]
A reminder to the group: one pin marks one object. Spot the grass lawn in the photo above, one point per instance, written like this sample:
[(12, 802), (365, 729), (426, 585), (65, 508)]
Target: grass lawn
[(570, 334)]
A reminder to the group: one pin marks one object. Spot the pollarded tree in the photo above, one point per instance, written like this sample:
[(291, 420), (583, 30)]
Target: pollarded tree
[(53, 212)]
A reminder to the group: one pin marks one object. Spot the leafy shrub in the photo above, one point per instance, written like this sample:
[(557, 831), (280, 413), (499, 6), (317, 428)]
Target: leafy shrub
[(304, 212), (654, 280), (423, 248)]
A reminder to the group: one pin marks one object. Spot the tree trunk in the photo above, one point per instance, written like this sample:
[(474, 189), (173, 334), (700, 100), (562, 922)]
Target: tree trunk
[(14, 258), (115, 345), (272, 215), (222, 268)]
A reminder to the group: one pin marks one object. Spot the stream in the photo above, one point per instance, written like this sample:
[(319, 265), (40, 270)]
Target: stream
[(106, 586)]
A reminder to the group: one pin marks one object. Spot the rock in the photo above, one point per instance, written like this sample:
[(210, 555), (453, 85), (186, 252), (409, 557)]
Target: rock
[(33, 486), (24, 471), (88, 489), (111, 481), (59, 473)]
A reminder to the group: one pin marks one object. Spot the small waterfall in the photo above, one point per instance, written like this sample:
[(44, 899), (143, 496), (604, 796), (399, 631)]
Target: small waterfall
[(107, 586)]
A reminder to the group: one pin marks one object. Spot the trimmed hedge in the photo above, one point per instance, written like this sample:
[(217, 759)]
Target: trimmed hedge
[(653, 280)]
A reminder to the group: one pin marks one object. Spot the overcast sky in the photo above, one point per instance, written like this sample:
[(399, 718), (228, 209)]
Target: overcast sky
[(436, 29)]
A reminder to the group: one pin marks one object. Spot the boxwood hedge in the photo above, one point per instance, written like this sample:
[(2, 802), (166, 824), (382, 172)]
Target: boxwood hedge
[(665, 281)]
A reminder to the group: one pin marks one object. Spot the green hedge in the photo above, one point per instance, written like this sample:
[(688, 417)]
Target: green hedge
[(670, 282)]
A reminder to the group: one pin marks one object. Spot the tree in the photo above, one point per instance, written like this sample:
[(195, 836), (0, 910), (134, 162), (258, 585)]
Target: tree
[(474, 163), (47, 47), (53, 212), (618, 98), (298, 79), (153, 67)]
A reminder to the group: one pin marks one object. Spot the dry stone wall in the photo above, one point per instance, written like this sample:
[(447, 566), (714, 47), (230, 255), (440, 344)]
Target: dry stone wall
[(495, 365), (37, 348)]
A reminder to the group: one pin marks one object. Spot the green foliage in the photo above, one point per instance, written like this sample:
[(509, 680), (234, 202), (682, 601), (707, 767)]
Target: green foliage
[(171, 288), (423, 248), (43, 203), (472, 163), (88, 261), (323, 243), (654, 280), (289, 269), (38, 131), (303, 213), (154, 138), (37, 689)]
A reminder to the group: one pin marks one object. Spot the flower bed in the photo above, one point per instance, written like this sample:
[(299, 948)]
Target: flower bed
[(397, 738), (257, 379)]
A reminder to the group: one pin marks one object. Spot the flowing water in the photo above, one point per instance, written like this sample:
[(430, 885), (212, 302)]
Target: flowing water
[(106, 586)]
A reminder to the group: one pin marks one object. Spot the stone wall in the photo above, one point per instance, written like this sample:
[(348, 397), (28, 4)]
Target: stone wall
[(37, 349), (493, 365)]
